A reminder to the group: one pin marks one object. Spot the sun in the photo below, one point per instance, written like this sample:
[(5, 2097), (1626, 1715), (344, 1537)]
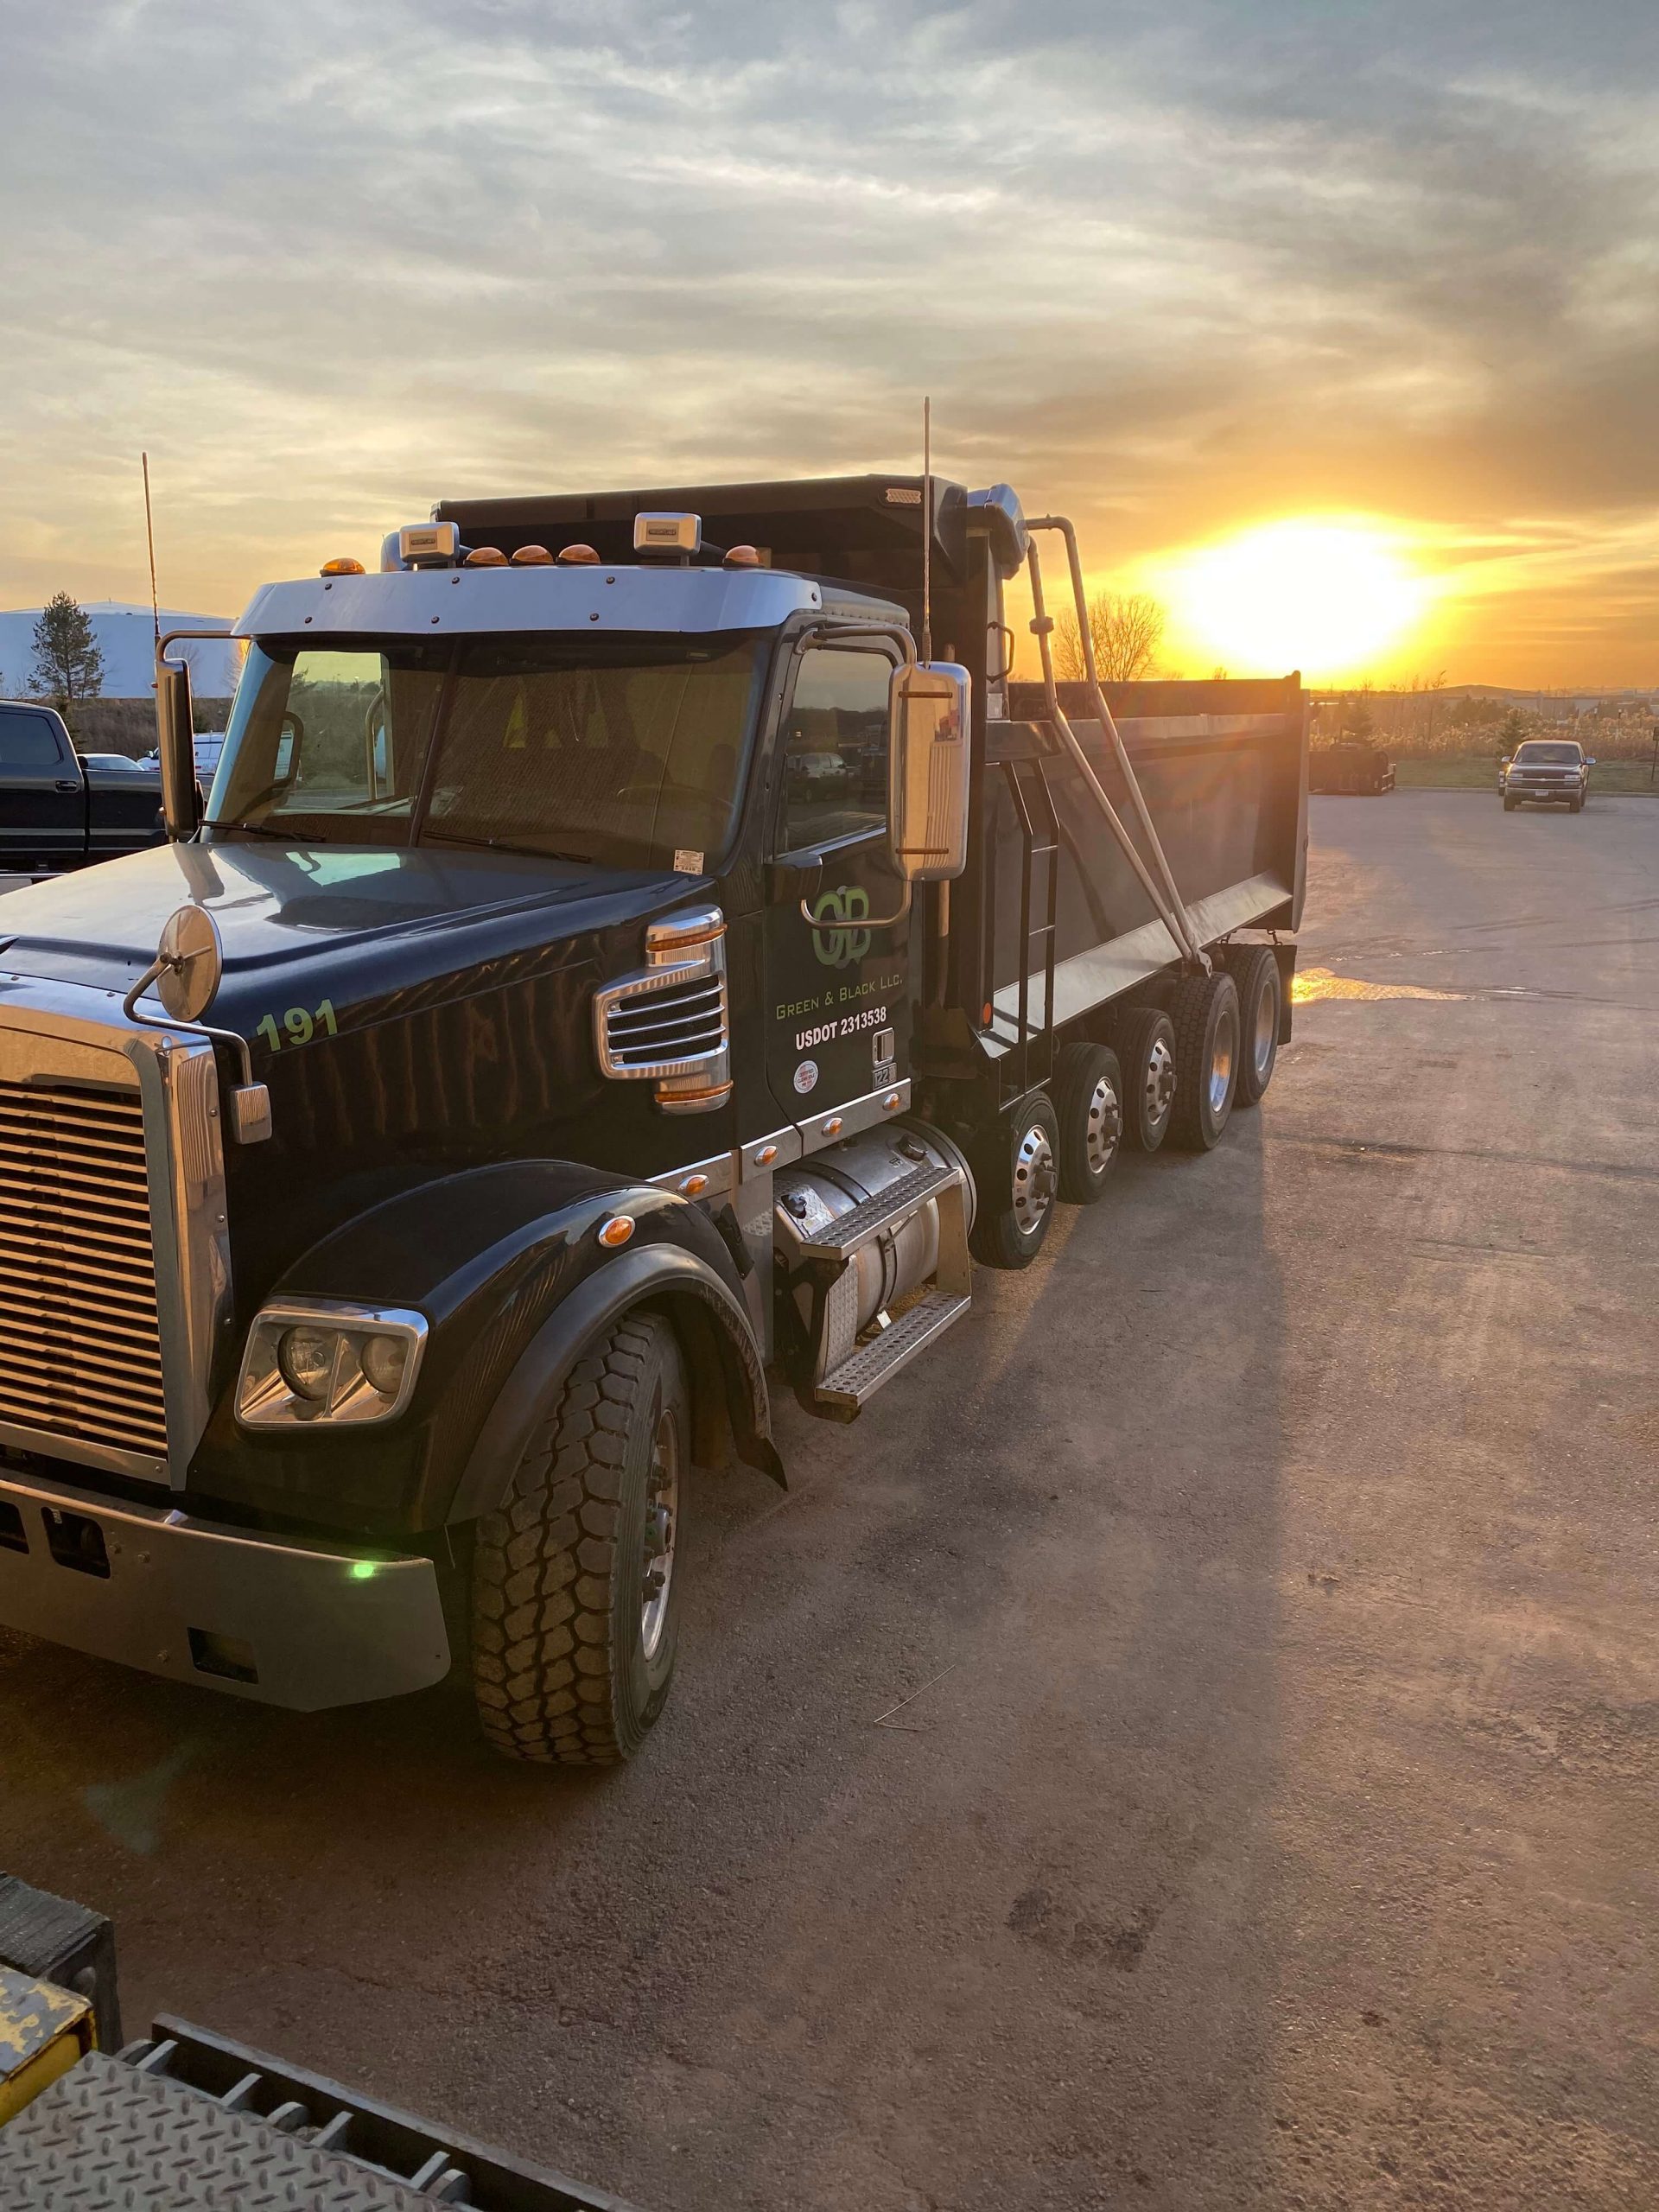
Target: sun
[(1322, 596)]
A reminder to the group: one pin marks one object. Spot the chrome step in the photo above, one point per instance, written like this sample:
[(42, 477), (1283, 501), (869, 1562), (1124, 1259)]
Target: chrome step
[(886, 1210), (851, 1386)]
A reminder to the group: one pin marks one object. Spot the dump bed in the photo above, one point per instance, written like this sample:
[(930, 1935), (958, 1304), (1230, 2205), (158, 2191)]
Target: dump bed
[(1223, 767)]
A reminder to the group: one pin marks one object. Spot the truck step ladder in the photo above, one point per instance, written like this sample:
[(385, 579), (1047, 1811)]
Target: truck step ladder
[(888, 1209), (851, 1365), (855, 1382)]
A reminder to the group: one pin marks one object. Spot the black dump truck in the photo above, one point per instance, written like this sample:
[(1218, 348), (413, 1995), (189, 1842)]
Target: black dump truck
[(59, 809), (621, 971)]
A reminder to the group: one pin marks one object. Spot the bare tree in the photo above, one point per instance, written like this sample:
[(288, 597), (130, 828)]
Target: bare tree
[(1126, 627)]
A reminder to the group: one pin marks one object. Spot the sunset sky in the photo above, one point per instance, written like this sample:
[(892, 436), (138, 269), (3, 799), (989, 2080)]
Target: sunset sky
[(1383, 277)]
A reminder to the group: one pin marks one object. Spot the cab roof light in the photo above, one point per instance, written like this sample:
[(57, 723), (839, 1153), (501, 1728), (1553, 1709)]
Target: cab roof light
[(743, 556), (485, 556), (668, 533), (343, 567), (428, 544), (532, 556), (578, 557)]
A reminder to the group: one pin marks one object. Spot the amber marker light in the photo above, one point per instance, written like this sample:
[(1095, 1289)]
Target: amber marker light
[(343, 567), (578, 557), (617, 1230), (743, 556), (532, 556), (485, 556)]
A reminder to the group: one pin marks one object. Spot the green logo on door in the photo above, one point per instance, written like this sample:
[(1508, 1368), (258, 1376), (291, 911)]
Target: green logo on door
[(843, 941)]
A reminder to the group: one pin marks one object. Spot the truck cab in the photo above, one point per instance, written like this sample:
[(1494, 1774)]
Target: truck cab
[(619, 971)]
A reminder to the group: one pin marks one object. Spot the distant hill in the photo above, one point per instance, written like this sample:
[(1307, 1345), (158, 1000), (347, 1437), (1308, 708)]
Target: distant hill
[(126, 638)]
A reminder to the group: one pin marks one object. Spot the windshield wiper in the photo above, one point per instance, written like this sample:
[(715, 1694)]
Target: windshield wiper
[(261, 830), (429, 835)]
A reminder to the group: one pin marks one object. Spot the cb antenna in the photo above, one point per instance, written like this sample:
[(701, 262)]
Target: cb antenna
[(927, 528), (149, 533)]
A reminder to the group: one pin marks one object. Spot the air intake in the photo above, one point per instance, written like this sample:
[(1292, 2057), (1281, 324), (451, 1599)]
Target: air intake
[(668, 1023)]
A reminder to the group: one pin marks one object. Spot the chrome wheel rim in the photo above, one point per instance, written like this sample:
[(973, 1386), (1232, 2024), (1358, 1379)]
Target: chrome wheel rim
[(1103, 1126), (1159, 1080), (1221, 1061), (1033, 1179), (662, 1528), (1266, 1027)]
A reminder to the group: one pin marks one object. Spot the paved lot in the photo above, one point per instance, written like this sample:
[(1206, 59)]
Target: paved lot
[(1282, 1830)]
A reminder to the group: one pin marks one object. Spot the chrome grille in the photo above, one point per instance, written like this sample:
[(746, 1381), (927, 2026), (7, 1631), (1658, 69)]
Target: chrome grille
[(666, 1031), (80, 1351)]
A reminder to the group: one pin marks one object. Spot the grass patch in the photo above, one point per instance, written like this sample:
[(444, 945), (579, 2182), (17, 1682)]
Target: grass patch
[(1477, 771)]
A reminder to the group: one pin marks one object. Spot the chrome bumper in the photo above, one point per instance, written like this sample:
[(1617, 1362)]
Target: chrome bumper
[(288, 1622)]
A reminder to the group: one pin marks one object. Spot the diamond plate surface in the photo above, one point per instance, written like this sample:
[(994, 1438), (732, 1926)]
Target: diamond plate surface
[(105, 2136)]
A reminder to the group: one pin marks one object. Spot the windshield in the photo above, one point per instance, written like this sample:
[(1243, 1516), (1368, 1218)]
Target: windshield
[(1548, 756), (623, 750)]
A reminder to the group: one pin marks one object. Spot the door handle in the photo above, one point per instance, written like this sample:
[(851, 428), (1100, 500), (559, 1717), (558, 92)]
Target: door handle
[(68, 783)]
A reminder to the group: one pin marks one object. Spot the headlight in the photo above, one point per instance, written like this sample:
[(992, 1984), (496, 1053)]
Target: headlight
[(306, 1359), (385, 1359), (329, 1362)]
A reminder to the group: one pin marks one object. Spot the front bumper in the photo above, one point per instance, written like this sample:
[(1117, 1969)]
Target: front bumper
[(287, 1621), (1542, 791)]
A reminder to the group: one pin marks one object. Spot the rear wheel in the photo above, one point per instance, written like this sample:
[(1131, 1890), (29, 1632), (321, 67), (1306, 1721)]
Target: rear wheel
[(1260, 1004), (1089, 1105), (1146, 1052), (1018, 1176), (1206, 1058), (574, 1596)]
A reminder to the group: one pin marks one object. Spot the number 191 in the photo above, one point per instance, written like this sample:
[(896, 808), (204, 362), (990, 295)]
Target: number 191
[(300, 1025)]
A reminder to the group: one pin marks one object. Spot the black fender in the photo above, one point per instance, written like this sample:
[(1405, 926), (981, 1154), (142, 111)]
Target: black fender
[(708, 1315), (505, 1265)]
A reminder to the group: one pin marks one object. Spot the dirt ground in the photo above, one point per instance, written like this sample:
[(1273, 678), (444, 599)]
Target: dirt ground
[(1271, 1571)]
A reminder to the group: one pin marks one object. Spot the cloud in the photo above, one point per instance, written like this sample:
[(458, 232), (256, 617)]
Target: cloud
[(1174, 267)]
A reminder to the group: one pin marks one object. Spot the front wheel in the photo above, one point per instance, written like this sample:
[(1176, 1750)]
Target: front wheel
[(576, 1613), (1018, 1178), (1509, 804)]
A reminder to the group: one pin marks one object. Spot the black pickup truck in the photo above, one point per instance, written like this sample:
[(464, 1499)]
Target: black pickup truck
[(57, 811)]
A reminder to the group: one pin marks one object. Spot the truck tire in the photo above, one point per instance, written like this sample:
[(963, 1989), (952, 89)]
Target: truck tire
[(1509, 804), (1146, 1052), (1260, 1003), (1017, 1172), (1206, 1058), (1575, 806), (1088, 1106), (574, 1597)]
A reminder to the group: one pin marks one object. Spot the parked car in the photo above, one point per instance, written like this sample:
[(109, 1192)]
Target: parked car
[(1546, 771), (58, 809)]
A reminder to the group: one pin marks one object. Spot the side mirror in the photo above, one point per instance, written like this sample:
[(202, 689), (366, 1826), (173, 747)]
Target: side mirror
[(1589, 760), (180, 794), (929, 709)]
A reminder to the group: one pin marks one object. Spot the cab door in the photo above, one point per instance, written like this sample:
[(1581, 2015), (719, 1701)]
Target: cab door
[(838, 986)]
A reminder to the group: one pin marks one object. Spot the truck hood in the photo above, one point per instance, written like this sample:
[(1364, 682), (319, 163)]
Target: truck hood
[(360, 926)]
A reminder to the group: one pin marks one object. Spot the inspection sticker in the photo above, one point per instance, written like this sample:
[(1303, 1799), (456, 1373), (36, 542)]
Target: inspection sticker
[(805, 1076)]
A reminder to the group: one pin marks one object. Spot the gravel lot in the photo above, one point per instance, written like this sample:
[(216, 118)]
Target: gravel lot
[(1275, 1564)]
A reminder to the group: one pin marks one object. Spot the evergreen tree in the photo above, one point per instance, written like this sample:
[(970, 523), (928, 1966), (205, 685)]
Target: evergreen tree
[(67, 666)]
